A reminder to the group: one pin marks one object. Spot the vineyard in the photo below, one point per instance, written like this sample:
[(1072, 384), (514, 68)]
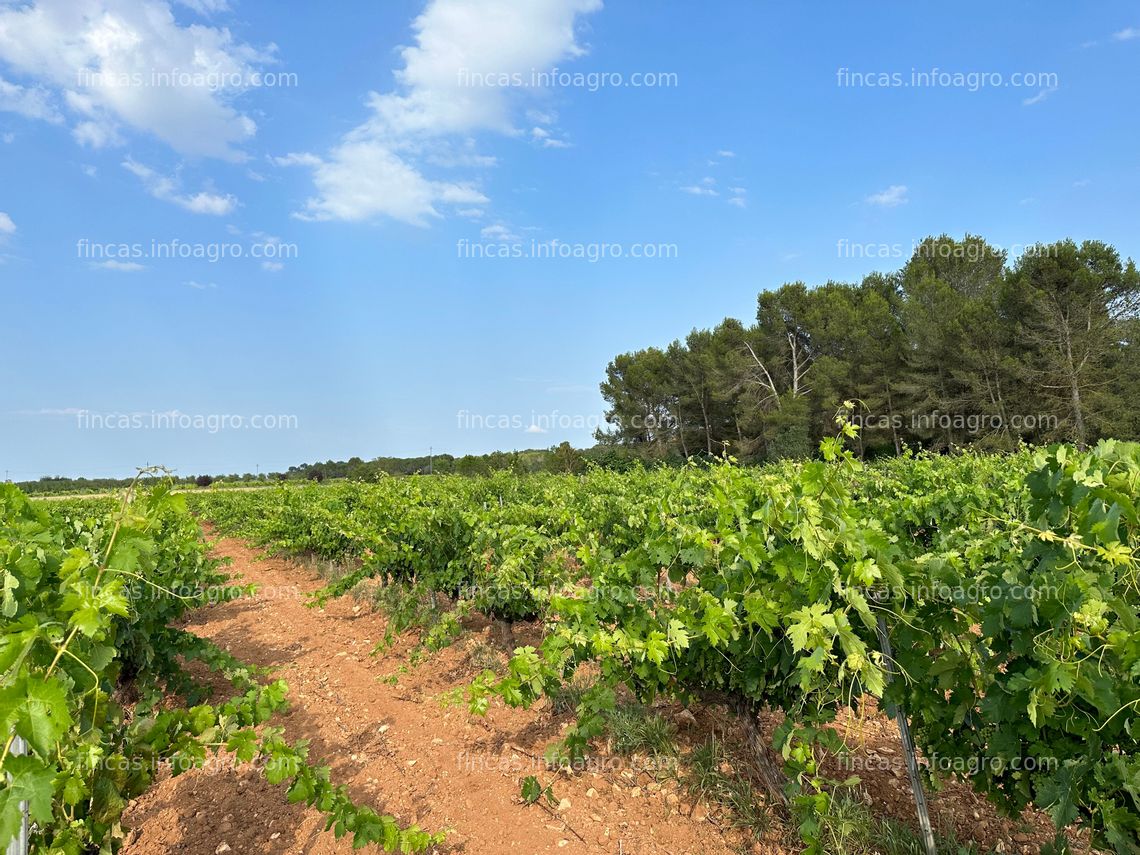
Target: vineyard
[(1006, 586), (89, 605)]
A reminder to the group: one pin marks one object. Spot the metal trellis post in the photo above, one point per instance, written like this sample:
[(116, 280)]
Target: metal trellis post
[(908, 746), (19, 843)]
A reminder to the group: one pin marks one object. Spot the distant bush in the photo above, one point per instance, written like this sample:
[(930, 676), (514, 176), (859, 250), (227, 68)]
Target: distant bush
[(203, 480)]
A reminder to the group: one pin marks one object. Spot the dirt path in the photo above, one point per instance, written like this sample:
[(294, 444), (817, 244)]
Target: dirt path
[(398, 748)]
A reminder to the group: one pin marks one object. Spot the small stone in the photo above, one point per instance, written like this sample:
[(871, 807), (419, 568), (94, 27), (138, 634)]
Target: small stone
[(275, 835), (591, 793), (564, 805), (222, 847), (563, 842), (685, 718)]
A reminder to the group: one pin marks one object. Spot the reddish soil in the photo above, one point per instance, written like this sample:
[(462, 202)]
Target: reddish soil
[(410, 749), (399, 748)]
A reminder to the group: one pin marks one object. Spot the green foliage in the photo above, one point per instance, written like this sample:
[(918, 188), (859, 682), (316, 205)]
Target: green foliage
[(851, 829), (710, 777), (957, 348), (89, 604), (1008, 584), (532, 790), (635, 729)]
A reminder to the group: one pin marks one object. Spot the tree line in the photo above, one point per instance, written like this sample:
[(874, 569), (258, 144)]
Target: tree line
[(560, 458), (959, 347)]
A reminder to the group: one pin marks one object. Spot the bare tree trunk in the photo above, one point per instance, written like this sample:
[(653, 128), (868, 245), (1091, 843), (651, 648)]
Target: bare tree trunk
[(1078, 416), (708, 426), (891, 414), (1074, 383), (1074, 386), (681, 433)]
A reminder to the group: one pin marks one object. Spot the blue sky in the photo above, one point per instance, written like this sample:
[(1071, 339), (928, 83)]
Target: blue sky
[(355, 146)]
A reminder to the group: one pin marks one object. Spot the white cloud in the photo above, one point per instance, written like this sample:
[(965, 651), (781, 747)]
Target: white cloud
[(167, 189), (542, 117), (103, 61), (270, 250), (725, 153), (1039, 97), (1127, 34), (32, 102), (205, 7), (201, 286), (498, 232), (8, 138), (1082, 182), (544, 138), (7, 227), (363, 179), (535, 429), (120, 266), (892, 197), (451, 155), (96, 135), (376, 170), (705, 188)]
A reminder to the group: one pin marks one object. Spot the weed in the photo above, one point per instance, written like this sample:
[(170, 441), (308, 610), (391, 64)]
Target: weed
[(634, 728), (710, 777)]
